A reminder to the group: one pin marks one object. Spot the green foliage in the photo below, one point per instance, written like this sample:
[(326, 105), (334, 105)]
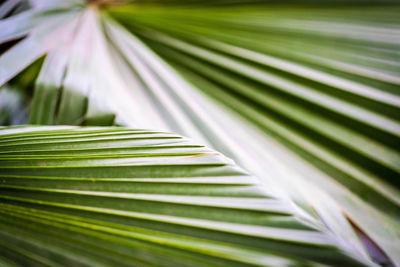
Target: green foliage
[(315, 79), (304, 96), (114, 196)]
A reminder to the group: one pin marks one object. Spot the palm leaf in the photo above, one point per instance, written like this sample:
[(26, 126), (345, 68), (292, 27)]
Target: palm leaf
[(117, 196), (309, 91), (275, 67)]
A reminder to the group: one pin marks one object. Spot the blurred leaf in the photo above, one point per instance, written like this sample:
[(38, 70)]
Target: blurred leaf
[(13, 109), (315, 78)]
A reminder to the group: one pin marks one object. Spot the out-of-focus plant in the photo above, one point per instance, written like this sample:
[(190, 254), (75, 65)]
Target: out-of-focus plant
[(12, 107), (303, 95)]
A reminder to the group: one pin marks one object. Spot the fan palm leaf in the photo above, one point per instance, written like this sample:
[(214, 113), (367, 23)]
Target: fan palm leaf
[(305, 98), (101, 196)]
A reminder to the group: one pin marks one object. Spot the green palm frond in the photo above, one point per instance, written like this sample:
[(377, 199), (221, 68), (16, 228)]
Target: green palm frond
[(100, 196), (323, 84), (304, 96)]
